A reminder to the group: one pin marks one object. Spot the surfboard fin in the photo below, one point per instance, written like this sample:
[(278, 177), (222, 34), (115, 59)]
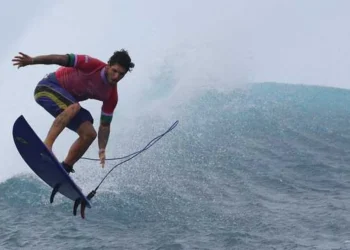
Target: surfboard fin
[(82, 204), (54, 192), (75, 207)]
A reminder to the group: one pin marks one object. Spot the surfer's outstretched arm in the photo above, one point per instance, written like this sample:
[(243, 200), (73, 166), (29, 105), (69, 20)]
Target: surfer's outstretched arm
[(23, 60)]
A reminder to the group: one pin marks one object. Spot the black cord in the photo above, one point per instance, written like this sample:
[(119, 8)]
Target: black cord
[(130, 156)]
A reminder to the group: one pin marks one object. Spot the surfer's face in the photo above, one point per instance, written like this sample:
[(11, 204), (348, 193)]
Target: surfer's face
[(115, 73)]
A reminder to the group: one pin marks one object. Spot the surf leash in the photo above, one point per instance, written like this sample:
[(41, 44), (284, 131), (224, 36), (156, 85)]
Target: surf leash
[(150, 144), (127, 158)]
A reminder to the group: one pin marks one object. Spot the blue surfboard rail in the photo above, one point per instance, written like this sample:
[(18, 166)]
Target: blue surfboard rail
[(43, 162)]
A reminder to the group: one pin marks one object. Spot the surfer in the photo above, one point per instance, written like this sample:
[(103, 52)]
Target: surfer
[(79, 77)]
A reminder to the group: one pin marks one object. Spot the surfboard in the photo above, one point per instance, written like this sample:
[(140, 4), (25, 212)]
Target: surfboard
[(45, 164)]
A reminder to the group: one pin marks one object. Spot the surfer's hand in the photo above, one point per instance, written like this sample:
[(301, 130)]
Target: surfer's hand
[(22, 60), (102, 155)]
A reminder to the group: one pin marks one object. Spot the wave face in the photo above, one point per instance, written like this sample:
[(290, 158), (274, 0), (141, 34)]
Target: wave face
[(265, 167)]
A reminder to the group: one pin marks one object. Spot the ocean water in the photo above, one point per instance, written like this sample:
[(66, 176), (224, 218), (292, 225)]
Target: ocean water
[(260, 167)]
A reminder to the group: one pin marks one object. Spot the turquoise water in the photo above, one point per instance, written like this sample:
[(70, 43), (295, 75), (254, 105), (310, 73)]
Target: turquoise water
[(265, 167)]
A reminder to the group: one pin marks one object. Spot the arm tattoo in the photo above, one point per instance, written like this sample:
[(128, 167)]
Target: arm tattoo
[(51, 59), (103, 135)]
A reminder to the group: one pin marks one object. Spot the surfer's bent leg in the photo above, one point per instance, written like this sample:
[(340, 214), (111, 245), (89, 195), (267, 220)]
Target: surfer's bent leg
[(87, 135), (60, 122), (58, 102), (68, 113)]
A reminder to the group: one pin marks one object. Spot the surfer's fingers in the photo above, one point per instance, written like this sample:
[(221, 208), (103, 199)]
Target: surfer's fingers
[(102, 158)]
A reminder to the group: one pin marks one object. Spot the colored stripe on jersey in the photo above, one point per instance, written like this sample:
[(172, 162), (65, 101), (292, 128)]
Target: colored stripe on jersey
[(85, 78)]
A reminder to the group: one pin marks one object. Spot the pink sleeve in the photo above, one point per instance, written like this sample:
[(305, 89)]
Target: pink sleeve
[(87, 64), (109, 105)]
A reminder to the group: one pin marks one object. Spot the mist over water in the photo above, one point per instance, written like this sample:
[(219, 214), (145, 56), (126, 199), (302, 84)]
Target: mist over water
[(250, 165)]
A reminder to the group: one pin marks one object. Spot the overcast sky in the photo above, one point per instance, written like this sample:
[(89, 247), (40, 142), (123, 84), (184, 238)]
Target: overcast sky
[(276, 40), (202, 43)]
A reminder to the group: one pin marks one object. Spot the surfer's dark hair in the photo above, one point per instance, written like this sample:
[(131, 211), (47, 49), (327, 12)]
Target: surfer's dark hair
[(122, 58)]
